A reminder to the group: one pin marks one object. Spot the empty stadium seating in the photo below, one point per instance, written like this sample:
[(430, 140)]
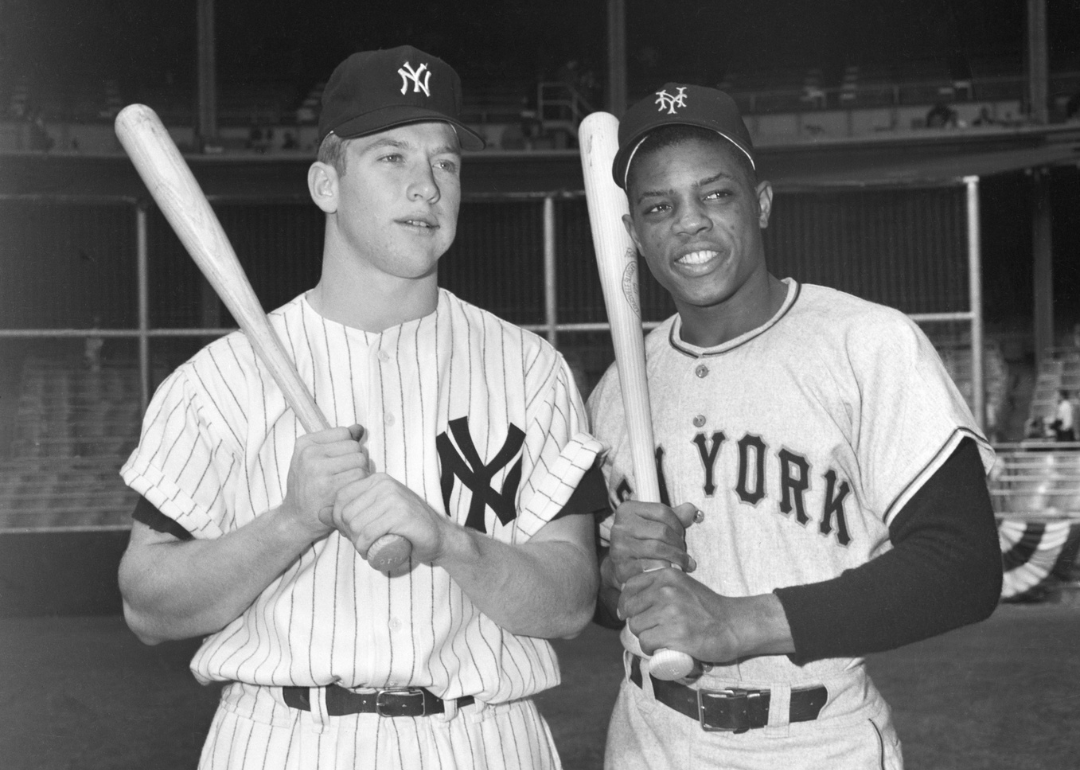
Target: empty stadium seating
[(74, 428)]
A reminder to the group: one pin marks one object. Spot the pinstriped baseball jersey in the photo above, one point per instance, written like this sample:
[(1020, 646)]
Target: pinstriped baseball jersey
[(479, 417), (800, 441)]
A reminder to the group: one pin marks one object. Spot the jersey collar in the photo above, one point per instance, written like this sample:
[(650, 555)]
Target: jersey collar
[(693, 351)]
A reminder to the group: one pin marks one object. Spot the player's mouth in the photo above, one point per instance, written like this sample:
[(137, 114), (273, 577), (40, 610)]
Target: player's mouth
[(697, 261), (695, 258), (420, 223)]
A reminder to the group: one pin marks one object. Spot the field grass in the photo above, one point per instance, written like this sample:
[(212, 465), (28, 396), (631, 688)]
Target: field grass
[(82, 692)]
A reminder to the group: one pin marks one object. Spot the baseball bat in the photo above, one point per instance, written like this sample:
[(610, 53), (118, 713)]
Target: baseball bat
[(616, 259), (184, 205)]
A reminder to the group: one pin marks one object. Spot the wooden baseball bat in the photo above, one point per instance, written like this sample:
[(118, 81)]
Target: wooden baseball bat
[(616, 259), (184, 205)]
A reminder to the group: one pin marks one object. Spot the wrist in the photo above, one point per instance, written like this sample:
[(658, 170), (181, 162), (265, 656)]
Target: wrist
[(765, 629), (291, 530)]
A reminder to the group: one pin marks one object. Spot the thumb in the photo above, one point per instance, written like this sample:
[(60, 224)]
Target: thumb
[(356, 430), (687, 514)]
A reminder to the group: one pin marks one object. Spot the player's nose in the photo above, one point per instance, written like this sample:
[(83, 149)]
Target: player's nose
[(422, 184), (692, 218)]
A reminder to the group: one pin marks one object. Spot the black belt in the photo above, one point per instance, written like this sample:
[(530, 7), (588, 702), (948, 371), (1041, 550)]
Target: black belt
[(733, 709), (397, 702)]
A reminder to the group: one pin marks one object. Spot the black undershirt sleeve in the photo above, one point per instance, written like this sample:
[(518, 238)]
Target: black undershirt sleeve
[(589, 497), (944, 571), (146, 513)]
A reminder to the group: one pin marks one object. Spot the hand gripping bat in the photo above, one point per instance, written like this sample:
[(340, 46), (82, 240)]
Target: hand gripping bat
[(616, 258), (183, 203)]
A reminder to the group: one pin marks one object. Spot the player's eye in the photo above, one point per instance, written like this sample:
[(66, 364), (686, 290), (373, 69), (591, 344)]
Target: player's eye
[(393, 157), (714, 195), (447, 165)]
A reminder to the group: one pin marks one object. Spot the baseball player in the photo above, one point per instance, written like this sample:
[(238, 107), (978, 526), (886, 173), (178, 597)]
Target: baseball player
[(823, 482), (458, 431)]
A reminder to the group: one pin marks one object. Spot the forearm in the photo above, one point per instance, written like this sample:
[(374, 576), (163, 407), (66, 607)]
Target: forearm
[(544, 588), (943, 572), (181, 589), (607, 600)]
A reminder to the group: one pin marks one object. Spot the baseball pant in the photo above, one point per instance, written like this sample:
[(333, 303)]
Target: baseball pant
[(853, 731), (254, 729)]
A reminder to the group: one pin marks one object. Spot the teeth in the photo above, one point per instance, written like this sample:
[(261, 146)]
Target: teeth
[(697, 257)]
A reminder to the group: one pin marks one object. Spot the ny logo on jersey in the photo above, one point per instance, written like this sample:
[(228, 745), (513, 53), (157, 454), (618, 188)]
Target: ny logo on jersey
[(669, 102), (464, 463), (409, 74)]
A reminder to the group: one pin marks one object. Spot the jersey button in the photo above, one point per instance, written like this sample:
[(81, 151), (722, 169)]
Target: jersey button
[(699, 421), (702, 371), (395, 624), (388, 419), (384, 356)]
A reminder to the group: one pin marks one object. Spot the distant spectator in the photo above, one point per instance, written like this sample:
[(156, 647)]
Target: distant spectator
[(941, 115), (288, 141), (1064, 422), (40, 139), (984, 118)]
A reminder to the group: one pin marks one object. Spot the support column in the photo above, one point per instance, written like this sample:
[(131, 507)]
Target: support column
[(206, 102), (1038, 66), (1043, 271), (616, 90)]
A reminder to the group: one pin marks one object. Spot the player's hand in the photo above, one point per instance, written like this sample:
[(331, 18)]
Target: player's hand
[(668, 608), (322, 464), (649, 536), (378, 505)]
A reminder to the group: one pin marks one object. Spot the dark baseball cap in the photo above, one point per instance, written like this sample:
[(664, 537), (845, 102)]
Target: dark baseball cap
[(372, 91), (679, 104)]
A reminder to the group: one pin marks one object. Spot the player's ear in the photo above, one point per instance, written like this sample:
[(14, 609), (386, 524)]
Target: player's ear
[(628, 223), (764, 196), (322, 179)]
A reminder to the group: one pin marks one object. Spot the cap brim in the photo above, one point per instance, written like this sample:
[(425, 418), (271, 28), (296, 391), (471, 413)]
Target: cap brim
[(621, 165), (391, 117)]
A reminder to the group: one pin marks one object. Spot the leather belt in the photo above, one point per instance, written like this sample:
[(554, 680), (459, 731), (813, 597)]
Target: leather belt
[(732, 709), (396, 702)]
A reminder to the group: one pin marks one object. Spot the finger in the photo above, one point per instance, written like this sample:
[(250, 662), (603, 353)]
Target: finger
[(330, 436), (356, 431), (687, 514)]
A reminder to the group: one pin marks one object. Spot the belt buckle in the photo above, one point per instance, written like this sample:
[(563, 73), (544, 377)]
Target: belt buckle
[(385, 710), (739, 710)]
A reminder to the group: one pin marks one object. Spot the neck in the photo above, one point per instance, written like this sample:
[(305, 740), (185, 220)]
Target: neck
[(370, 300), (755, 303)]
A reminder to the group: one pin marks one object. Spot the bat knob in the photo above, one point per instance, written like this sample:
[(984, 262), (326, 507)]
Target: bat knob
[(389, 552), (670, 665)]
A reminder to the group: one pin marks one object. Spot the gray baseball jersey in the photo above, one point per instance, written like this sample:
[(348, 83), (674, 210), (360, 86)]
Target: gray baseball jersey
[(479, 417), (800, 441)]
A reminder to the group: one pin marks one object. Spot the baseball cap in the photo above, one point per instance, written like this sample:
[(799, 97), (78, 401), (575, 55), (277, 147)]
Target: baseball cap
[(679, 104), (372, 91)]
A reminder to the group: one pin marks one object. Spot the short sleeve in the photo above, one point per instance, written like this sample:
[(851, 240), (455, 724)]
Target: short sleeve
[(910, 415), (557, 444), (180, 466)]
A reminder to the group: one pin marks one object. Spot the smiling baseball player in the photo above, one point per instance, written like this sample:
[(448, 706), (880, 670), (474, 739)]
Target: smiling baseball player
[(254, 535), (823, 482)]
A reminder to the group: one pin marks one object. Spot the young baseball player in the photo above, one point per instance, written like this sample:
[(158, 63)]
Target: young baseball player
[(456, 430), (823, 481)]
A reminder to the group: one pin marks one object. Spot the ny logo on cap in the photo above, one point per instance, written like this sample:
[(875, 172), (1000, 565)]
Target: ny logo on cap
[(408, 73), (669, 102)]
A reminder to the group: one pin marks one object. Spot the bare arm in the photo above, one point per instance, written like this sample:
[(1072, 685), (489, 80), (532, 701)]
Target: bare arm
[(175, 589), (545, 587)]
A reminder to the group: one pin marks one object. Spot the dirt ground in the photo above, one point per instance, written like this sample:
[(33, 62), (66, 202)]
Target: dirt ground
[(82, 692)]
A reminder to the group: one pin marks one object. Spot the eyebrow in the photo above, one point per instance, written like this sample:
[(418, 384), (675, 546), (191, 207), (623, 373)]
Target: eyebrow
[(700, 183), (399, 144)]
